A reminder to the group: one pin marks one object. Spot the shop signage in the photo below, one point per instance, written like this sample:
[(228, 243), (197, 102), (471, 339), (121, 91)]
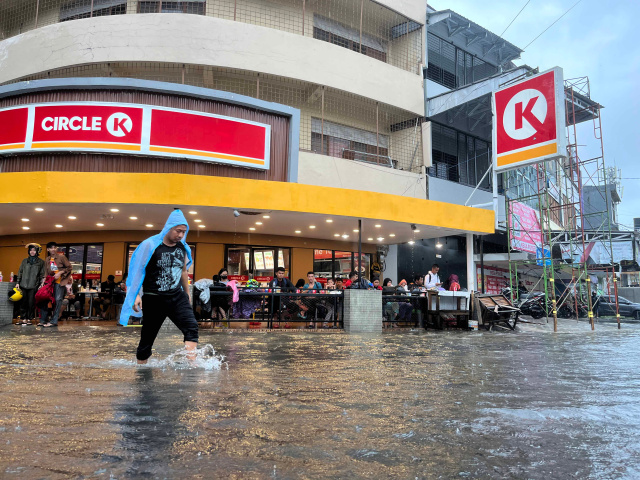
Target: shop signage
[(529, 121), (135, 129)]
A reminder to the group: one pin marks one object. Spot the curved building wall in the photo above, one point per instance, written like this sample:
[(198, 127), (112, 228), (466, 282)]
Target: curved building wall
[(213, 42)]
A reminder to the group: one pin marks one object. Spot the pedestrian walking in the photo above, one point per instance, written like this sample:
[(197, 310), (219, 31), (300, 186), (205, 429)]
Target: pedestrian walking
[(58, 266), (30, 277), (158, 286)]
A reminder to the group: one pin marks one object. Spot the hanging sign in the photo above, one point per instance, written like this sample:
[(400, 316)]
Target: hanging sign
[(135, 129), (529, 121)]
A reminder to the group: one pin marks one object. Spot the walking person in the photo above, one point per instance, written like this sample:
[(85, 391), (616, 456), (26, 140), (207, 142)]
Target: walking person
[(30, 277), (58, 266), (159, 268)]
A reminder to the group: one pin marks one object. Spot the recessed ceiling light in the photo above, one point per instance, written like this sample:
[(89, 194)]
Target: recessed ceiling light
[(378, 226), (193, 212), (39, 209), (356, 231), (58, 226), (392, 234), (266, 216), (202, 226), (25, 228), (100, 224), (258, 223), (416, 231), (312, 226), (411, 242), (149, 225), (25, 219), (369, 239), (133, 218), (345, 236), (252, 228), (329, 220), (197, 220), (336, 234), (71, 217), (380, 239), (298, 231), (114, 210)]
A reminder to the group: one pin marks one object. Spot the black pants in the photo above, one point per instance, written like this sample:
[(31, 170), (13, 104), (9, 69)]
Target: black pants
[(155, 308), (28, 303)]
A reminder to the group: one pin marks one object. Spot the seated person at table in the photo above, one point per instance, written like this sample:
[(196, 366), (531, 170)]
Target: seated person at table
[(105, 296), (339, 283), (353, 277), (418, 285), (72, 297), (431, 279), (452, 283), (280, 284), (396, 310), (376, 284), (312, 286)]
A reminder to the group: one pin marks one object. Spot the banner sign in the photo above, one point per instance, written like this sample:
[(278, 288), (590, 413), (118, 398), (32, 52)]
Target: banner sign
[(524, 225), (529, 121), (135, 129)]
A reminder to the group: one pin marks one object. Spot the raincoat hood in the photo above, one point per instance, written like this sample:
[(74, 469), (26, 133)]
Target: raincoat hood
[(140, 259)]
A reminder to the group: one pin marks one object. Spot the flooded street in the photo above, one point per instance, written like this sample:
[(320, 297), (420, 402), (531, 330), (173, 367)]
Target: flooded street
[(405, 405)]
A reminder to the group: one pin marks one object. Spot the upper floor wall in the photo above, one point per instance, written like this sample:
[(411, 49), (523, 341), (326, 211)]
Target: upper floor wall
[(210, 42)]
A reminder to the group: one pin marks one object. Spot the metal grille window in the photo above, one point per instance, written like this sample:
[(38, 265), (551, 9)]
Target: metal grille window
[(452, 67), (348, 142), (86, 8), (196, 7), (460, 158), (334, 32)]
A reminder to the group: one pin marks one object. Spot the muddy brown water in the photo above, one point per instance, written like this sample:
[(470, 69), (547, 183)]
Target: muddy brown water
[(290, 405)]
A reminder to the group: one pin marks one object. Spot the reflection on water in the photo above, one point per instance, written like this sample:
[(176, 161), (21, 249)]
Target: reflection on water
[(297, 405)]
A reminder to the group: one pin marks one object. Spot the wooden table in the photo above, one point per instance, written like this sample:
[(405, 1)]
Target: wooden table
[(442, 302)]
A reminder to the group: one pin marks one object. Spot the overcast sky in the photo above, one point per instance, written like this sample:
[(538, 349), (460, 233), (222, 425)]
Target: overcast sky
[(596, 39)]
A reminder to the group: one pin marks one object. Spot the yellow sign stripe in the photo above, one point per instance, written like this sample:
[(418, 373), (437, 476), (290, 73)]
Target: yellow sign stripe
[(104, 146), (11, 146), (511, 158), (200, 153)]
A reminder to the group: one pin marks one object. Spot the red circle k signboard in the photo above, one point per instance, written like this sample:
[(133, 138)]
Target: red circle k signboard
[(135, 129), (529, 121)]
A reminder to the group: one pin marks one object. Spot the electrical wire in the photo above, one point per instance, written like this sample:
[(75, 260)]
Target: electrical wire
[(514, 18), (557, 20)]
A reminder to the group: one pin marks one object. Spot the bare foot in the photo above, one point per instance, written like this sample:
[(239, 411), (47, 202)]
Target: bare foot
[(191, 350), (142, 362)]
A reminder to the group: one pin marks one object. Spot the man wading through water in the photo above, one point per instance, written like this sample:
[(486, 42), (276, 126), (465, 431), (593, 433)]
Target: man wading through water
[(159, 266)]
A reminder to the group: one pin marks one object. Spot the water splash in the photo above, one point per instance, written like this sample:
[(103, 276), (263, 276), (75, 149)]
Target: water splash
[(205, 357)]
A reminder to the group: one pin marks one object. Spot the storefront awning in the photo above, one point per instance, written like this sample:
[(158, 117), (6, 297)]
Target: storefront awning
[(291, 207)]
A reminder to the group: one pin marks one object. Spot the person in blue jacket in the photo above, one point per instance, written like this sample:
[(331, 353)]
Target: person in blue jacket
[(158, 286)]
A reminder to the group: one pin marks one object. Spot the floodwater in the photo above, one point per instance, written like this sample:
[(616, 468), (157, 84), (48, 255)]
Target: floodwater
[(530, 404)]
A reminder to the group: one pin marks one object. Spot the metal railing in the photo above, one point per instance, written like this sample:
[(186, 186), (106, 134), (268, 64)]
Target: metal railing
[(262, 307)]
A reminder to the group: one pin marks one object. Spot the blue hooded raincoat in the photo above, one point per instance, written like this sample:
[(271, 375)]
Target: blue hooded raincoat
[(140, 259)]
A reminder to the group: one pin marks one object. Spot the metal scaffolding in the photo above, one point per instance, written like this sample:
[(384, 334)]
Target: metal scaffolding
[(572, 198)]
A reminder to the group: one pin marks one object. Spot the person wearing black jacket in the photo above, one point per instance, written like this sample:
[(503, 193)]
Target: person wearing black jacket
[(279, 284), (30, 277)]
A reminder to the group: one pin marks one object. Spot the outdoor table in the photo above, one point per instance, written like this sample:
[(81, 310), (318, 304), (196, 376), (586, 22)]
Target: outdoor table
[(90, 294), (447, 303)]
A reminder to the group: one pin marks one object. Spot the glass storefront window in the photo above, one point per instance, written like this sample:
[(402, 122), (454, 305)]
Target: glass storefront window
[(257, 262), (86, 262), (131, 247), (336, 263)]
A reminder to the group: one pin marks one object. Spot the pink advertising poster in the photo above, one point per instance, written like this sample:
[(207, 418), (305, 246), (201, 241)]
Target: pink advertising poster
[(525, 228)]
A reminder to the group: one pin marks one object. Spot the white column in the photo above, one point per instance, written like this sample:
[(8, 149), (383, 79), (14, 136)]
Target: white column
[(391, 265), (471, 266)]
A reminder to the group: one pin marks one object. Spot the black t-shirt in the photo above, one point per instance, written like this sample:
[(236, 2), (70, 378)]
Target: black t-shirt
[(163, 275)]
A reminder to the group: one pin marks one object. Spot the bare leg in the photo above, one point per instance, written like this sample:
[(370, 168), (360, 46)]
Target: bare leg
[(191, 349), (143, 362)]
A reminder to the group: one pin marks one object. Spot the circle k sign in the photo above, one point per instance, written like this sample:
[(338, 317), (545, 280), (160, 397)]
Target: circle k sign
[(529, 120)]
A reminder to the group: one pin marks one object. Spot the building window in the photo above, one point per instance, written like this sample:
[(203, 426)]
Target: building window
[(336, 263), (86, 262), (192, 6), (131, 247), (82, 9), (460, 158), (351, 143), (329, 30), (244, 262), (452, 67)]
